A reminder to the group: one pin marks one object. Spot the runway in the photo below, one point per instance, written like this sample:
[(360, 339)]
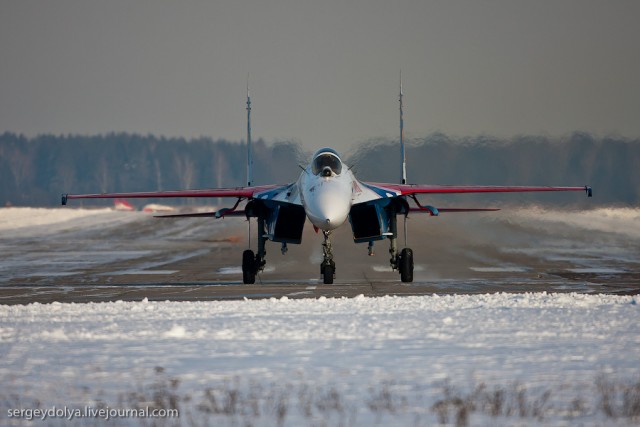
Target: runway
[(74, 255)]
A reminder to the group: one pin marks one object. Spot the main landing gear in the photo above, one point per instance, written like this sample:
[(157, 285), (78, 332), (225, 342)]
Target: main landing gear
[(248, 267), (254, 263), (328, 266), (402, 262), (405, 265), (251, 265)]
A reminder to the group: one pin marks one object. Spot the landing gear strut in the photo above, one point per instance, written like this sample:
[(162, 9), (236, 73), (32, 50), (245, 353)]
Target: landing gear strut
[(328, 266)]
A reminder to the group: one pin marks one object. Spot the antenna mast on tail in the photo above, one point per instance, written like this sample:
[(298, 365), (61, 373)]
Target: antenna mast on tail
[(249, 153), (402, 156)]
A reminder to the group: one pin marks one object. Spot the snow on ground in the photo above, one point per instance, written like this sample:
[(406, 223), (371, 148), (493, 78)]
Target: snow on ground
[(610, 220), (501, 359), (61, 242), (28, 222)]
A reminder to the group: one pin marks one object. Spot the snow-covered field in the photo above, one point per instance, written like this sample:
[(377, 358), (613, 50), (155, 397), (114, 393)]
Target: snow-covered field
[(506, 359)]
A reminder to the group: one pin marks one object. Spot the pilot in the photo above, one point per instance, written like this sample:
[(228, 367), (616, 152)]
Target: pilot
[(327, 163)]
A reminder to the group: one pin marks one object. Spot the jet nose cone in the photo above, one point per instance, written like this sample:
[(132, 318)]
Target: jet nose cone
[(329, 219), (332, 223), (327, 201), (329, 211)]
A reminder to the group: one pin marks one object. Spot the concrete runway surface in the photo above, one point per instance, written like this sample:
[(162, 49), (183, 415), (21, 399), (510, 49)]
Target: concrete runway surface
[(131, 256)]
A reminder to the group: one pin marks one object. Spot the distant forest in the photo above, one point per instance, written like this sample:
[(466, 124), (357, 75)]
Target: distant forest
[(35, 171)]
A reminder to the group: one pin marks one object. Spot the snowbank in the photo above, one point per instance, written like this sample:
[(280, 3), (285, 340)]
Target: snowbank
[(372, 353)]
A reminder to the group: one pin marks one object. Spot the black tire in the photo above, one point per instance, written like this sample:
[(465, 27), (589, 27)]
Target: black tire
[(327, 273), (248, 267), (405, 264)]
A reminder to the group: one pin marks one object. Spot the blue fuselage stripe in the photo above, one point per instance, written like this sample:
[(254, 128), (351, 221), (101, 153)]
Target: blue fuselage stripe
[(380, 191)]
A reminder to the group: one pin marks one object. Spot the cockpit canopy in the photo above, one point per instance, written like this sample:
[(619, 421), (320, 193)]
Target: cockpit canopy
[(325, 162)]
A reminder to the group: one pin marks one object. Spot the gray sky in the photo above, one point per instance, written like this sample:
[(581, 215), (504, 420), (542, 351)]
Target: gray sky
[(324, 73)]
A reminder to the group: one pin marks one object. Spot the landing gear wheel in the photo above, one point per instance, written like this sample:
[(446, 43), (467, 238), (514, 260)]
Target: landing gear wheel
[(405, 265), (248, 267), (327, 271)]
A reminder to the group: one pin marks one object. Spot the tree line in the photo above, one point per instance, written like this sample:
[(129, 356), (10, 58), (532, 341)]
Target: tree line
[(35, 171), (611, 165)]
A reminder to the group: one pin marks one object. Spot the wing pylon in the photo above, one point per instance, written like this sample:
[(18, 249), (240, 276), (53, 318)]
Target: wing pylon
[(221, 213)]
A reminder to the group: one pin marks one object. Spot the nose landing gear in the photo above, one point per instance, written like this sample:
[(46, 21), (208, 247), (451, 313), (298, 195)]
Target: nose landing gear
[(328, 266)]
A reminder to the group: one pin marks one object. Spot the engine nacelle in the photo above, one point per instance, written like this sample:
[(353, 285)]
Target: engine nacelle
[(369, 221), (285, 223)]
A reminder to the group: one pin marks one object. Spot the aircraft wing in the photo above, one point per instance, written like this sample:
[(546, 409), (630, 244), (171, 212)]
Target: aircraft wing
[(413, 189), (263, 191), (389, 191)]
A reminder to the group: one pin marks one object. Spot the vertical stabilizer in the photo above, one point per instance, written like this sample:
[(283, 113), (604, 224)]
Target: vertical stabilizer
[(403, 159), (249, 151)]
